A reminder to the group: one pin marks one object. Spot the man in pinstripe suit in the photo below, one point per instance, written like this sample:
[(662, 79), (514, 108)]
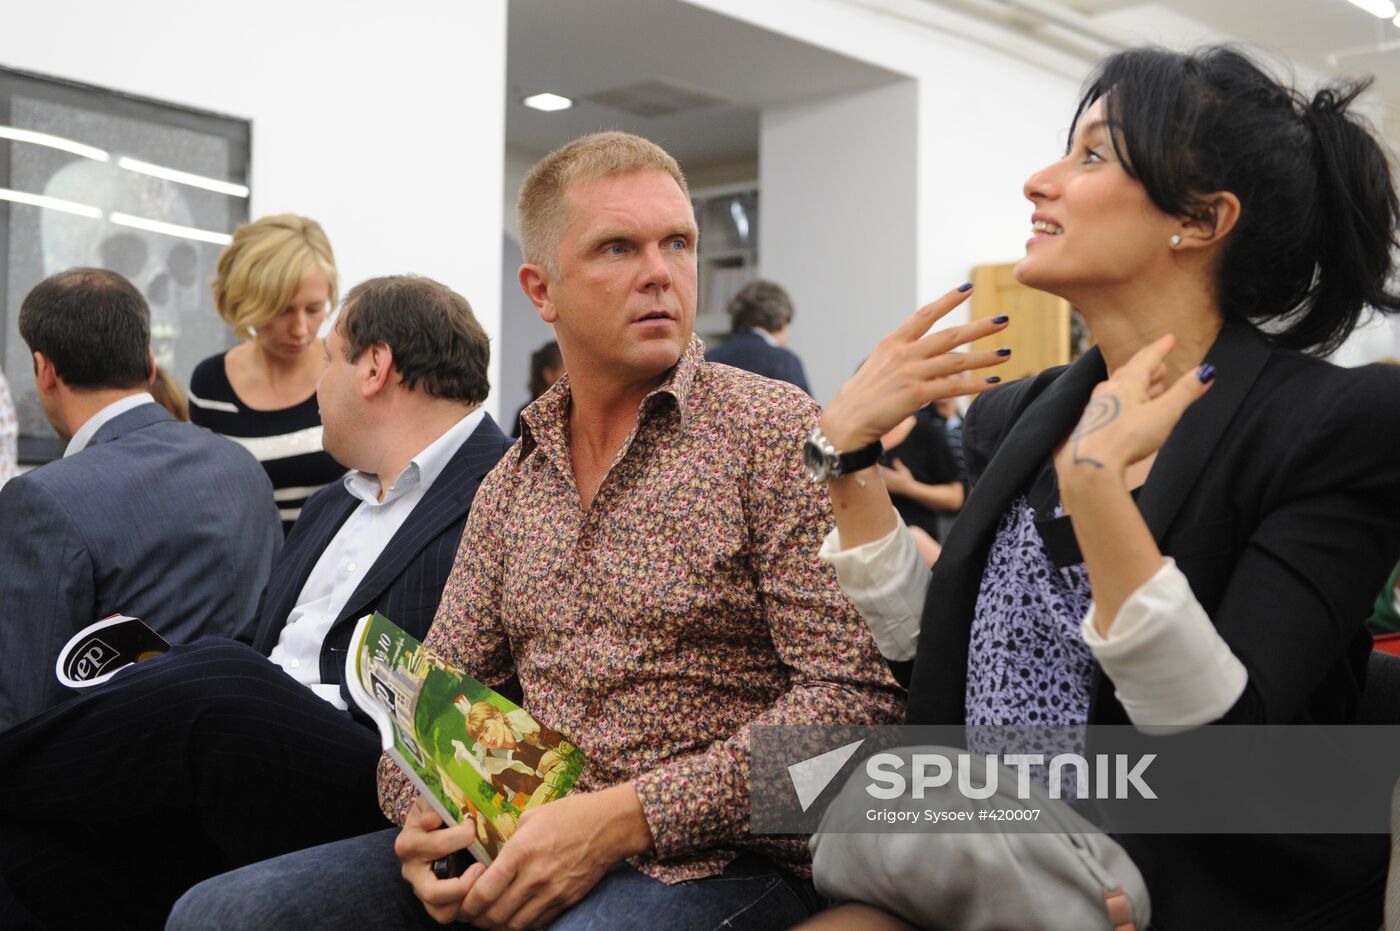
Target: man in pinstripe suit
[(212, 757)]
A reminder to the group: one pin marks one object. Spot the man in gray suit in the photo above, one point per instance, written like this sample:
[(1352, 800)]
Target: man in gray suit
[(143, 515)]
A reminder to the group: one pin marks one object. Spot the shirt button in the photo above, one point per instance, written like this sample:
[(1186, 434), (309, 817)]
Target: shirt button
[(295, 664), (349, 567)]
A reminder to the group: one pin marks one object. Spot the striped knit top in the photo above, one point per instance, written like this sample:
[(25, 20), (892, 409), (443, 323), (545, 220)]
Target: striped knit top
[(287, 441)]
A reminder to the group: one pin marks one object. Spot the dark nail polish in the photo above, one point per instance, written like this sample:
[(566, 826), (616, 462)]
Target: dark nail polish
[(1002, 319), (1206, 373), (965, 286), (1003, 351), (993, 379)]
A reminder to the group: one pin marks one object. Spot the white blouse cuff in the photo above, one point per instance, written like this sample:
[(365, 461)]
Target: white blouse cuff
[(887, 580), (1169, 665)]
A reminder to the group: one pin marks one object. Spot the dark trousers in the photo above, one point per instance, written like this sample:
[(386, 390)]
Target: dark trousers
[(186, 766)]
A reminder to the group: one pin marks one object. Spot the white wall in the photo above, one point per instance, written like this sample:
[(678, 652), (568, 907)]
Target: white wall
[(840, 249), (383, 121), (990, 109)]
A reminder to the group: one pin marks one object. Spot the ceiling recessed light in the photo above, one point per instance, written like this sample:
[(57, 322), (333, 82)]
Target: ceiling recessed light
[(547, 102), (1385, 9)]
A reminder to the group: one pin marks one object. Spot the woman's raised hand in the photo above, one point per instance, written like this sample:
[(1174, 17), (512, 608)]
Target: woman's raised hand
[(1130, 415), (910, 368)]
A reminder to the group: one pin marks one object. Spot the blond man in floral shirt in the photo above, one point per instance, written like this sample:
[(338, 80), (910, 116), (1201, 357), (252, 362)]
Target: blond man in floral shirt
[(641, 572)]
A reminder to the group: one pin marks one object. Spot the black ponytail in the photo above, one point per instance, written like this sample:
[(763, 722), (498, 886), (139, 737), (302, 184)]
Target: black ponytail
[(1314, 244)]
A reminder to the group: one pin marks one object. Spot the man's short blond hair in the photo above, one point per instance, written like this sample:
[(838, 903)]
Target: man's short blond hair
[(543, 208), (262, 269)]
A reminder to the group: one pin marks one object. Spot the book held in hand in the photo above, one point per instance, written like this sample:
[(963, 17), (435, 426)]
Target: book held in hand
[(97, 652), (473, 754)]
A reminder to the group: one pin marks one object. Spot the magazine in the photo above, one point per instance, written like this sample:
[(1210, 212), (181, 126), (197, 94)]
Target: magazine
[(473, 754), (99, 651)]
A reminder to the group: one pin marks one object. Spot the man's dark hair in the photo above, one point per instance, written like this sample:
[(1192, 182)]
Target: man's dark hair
[(760, 305), (439, 348), (93, 325)]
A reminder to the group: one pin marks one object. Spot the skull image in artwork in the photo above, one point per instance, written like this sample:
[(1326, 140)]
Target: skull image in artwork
[(164, 268)]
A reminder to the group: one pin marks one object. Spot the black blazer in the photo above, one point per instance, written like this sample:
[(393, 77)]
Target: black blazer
[(405, 583), (1278, 495)]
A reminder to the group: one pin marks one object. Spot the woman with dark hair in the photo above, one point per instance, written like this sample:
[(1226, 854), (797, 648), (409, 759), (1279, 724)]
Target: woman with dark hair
[(546, 367), (1204, 545)]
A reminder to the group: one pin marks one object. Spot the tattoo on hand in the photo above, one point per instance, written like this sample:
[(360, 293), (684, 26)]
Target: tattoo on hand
[(1100, 413)]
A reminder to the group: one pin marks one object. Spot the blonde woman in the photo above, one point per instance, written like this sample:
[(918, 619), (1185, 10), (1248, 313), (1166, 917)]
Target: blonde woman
[(275, 283)]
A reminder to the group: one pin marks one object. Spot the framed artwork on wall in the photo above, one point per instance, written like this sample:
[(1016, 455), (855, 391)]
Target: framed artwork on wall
[(93, 177)]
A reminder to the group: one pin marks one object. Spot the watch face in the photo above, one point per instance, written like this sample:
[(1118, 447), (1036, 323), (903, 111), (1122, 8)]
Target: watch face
[(816, 464)]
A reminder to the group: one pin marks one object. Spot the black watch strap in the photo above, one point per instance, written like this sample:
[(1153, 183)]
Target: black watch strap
[(862, 458)]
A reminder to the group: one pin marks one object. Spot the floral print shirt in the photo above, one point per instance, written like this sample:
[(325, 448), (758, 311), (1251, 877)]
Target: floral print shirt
[(684, 604)]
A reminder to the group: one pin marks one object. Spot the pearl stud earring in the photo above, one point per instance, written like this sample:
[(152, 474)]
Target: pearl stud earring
[(1175, 240)]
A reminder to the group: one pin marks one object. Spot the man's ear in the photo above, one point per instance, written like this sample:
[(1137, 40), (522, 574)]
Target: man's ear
[(376, 367), (535, 282), (1216, 216), (45, 375)]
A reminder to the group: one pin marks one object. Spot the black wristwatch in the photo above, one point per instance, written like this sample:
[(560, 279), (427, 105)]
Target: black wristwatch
[(824, 463)]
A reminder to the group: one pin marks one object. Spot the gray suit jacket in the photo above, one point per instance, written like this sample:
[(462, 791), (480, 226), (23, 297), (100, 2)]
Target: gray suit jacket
[(157, 519)]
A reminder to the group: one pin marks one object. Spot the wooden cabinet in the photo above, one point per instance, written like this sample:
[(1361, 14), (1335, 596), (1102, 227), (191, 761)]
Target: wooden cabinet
[(1042, 331)]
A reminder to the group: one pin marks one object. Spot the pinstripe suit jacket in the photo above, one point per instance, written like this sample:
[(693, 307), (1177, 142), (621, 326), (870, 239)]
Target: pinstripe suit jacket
[(406, 581), (154, 518)]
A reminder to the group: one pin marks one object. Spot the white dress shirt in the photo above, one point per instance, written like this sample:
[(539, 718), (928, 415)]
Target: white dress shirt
[(1169, 666), (353, 550), (97, 421)]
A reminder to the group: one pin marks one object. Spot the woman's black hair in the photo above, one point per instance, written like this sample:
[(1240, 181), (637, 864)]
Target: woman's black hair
[(547, 356), (1313, 246)]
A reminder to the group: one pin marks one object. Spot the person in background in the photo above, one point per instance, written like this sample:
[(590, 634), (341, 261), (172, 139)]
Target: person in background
[(546, 367), (918, 470), (947, 416), (9, 434), (166, 390), (761, 314), (275, 283), (143, 515)]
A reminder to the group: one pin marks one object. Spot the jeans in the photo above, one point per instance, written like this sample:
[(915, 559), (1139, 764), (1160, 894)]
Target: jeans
[(355, 883)]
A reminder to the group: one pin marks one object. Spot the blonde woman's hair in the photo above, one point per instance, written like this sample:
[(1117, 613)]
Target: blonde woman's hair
[(543, 210), (263, 268)]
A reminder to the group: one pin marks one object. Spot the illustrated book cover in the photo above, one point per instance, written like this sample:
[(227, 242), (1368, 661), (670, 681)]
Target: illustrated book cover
[(472, 753)]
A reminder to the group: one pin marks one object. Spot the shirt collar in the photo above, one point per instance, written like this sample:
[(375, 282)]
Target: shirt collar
[(99, 420), (549, 415), (767, 337), (423, 469)]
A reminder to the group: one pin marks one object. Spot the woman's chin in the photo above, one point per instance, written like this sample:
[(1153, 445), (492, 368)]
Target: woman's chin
[(1028, 274)]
